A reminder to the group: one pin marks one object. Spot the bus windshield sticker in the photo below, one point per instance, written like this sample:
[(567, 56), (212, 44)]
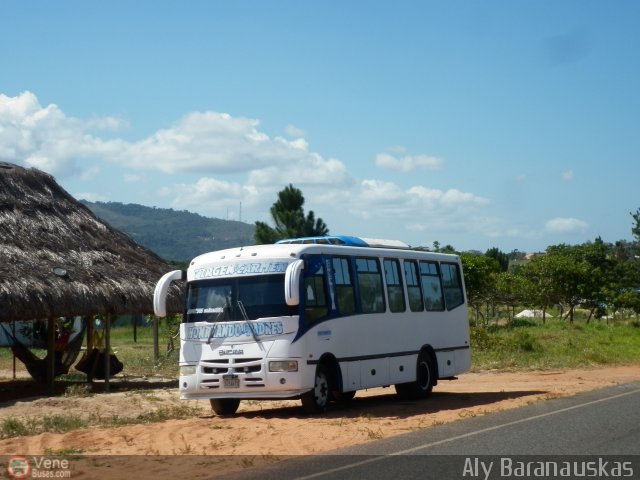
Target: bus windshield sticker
[(234, 330)]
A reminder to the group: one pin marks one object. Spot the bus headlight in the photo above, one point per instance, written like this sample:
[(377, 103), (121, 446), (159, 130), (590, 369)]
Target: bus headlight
[(187, 370), (283, 366)]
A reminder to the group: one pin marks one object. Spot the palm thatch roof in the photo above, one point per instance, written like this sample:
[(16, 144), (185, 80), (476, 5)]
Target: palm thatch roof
[(58, 259)]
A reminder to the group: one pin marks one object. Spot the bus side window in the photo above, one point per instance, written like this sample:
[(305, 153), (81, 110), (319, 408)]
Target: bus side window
[(431, 287), (315, 306), (452, 285), (395, 292), (413, 286), (345, 293), (370, 284)]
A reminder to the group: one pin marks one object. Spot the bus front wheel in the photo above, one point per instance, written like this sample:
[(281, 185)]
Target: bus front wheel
[(317, 399), (425, 379), (343, 397), (224, 406)]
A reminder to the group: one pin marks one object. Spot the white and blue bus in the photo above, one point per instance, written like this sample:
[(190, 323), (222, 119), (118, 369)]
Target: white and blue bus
[(318, 319)]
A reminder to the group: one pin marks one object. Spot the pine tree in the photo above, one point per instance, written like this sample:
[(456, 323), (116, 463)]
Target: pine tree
[(289, 218)]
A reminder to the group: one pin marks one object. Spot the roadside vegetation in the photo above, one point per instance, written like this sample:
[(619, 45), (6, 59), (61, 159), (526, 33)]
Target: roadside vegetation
[(528, 344), (585, 299)]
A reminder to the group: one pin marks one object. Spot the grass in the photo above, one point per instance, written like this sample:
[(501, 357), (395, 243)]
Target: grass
[(137, 356), (18, 427), (531, 345)]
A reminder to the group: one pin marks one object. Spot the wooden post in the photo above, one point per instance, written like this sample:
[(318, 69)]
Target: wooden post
[(90, 326), (134, 319), (14, 357), (107, 352), (51, 356), (156, 347)]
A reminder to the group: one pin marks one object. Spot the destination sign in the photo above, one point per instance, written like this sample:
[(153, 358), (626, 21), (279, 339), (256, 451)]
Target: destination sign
[(245, 268)]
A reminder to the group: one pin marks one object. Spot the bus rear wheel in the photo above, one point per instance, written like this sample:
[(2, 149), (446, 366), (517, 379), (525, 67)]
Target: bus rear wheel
[(317, 399), (224, 406), (425, 379)]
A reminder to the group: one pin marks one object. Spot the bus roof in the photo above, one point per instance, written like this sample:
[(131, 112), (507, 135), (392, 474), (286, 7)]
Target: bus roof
[(299, 246), (348, 241)]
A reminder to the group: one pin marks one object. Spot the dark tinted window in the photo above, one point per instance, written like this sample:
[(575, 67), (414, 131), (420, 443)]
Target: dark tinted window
[(413, 286), (315, 296), (345, 291), (395, 292), (452, 285), (217, 300), (431, 287), (370, 284)]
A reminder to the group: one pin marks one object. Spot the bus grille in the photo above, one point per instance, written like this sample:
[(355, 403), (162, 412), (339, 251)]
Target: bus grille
[(246, 369)]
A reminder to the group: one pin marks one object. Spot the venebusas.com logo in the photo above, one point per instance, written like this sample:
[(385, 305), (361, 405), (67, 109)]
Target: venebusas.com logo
[(18, 467), (38, 467)]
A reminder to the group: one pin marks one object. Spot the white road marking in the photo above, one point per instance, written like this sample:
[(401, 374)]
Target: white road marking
[(466, 435)]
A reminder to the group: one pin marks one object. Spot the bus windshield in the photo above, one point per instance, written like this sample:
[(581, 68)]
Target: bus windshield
[(223, 299)]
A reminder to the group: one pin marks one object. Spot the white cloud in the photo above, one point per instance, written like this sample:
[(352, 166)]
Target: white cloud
[(112, 124), (310, 170), (201, 142), (211, 196), (568, 175), (92, 196), (408, 163), (566, 225), (133, 178), (45, 138), (448, 198), (295, 132), (223, 160), (387, 202), (212, 143), (90, 173)]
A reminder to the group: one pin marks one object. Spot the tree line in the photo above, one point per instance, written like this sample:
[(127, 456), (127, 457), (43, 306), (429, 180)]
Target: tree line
[(600, 277)]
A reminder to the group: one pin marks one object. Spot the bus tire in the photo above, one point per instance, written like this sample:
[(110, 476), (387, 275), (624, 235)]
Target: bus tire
[(425, 379), (317, 399), (343, 397), (224, 406)]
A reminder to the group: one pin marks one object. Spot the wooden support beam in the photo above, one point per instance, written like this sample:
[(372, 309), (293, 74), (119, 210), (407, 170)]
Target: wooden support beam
[(13, 327), (51, 356), (90, 329), (107, 352), (156, 345)]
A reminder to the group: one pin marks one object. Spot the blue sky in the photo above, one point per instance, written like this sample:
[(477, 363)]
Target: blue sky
[(513, 124)]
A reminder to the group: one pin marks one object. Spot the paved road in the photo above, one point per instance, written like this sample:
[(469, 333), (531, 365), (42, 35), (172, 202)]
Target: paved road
[(601, 426)]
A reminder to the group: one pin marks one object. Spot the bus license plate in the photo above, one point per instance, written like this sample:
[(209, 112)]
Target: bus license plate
[(231, 381)]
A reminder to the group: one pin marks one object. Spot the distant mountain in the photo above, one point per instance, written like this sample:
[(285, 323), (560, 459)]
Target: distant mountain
[(173, 235)]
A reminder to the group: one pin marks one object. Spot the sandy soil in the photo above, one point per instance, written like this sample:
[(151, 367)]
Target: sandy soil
[(264, 432)]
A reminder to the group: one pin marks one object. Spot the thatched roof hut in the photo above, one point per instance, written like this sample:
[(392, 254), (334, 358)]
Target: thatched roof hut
[(58, 259)]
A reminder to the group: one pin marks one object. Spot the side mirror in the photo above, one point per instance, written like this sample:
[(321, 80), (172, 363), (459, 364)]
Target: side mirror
[(292, 283), (161, 291)]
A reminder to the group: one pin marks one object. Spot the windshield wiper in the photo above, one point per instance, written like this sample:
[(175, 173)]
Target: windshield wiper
[(214, 327), (246, 319)]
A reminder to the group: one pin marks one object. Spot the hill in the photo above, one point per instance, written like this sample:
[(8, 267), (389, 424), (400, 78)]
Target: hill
[(172, 234)]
